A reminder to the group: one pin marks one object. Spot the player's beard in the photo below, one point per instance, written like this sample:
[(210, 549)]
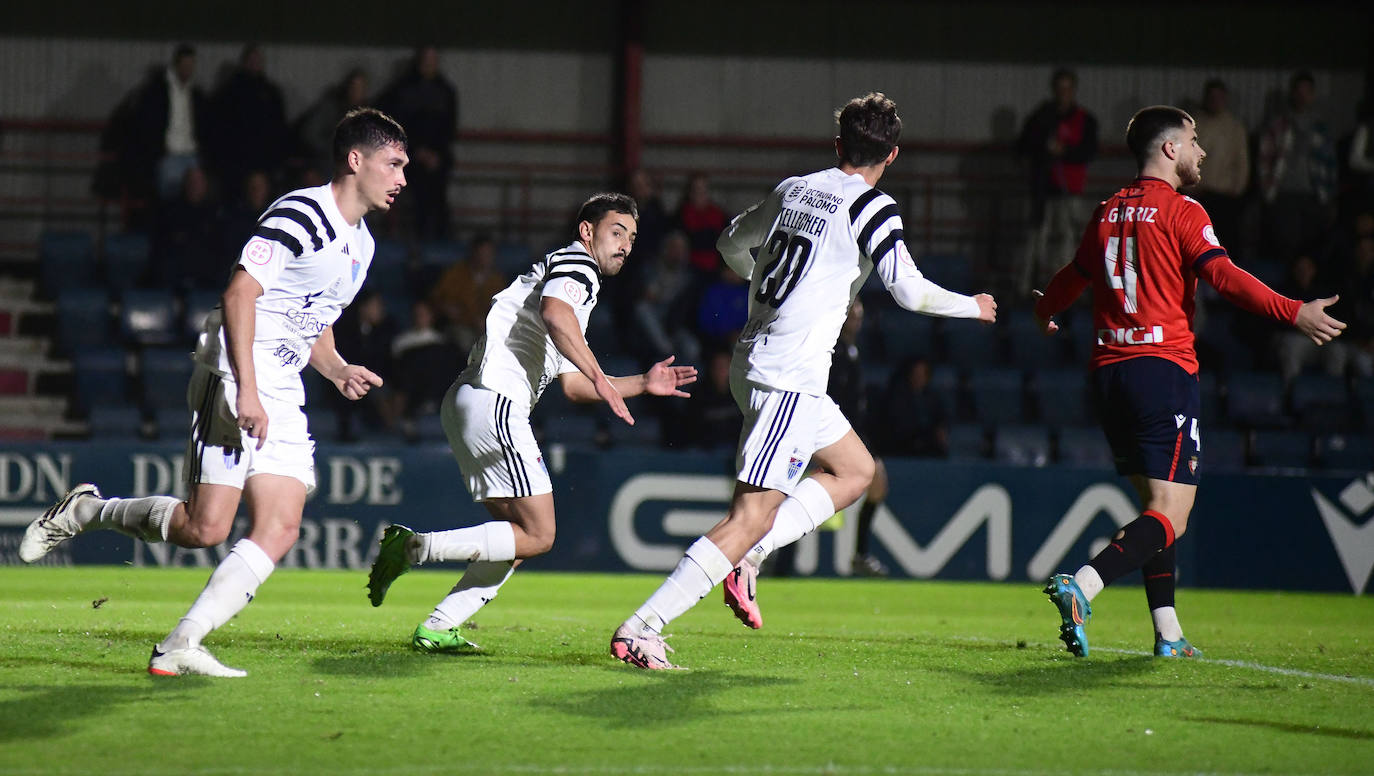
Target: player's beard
[(1189, 174)]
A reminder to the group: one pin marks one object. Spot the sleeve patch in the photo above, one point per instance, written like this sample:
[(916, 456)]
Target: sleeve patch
[(258, 251), (1210, 235)]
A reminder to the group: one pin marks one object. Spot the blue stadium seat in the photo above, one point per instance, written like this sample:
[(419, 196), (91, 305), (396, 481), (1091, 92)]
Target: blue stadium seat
[(163, 375), (198, 305), (1347, 451), (514, 258), (148, 318), (1062, 397), (1083, 446), (127, 258), (904, 334), (115, 421), (173, 422), (1223, 450), (997, 395), (1281, 449), (83, 319), (442, 253), (66, 260), (971, 345), (1255, 399), (949, 271), (968, 442), (101, 377), (1322, 402), (1022, 445)]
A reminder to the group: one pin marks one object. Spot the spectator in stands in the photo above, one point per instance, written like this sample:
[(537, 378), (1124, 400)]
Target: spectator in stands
[(426, 104), (425, 364), (1357, 297), (623, 291), (661, 312), (462, 295), (249, 123), (1059, 140), (1294, 349), (315, 127), (187, 236), (723, 309), (1360, 159), (240, 216), (702, 220), (1297, 174), (710, 419), (1222, 190), (168, 124), (913, 420), (364, 334)]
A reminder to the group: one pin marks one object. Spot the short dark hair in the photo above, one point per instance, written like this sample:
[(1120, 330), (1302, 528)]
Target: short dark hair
[(598, 205), (1063, 72), (869, 129), (366, 128), (1148, 125), (183, 50)]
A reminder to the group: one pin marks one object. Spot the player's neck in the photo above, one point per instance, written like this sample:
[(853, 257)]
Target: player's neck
[(348, 199), (1164, 172), (871, 174)]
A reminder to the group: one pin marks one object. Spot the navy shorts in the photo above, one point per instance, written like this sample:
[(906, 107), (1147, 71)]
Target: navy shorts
[(1148, 408)]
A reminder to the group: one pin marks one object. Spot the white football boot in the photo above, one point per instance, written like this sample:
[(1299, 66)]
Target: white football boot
[(57, 525), (192, 661)]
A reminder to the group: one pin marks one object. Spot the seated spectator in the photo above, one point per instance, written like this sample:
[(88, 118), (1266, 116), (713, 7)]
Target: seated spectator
[(702, 220), (364, 334), (186, 237), (723, 309), (1294, 349), (912, 420), (1357, 307), (462, 295), (710, 419), (661, 310), (425, 366), (240, 217)]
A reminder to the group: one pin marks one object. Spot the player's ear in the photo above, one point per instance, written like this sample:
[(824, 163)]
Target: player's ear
[(355, 160), (839, 147), (892, 155), (585, 230)]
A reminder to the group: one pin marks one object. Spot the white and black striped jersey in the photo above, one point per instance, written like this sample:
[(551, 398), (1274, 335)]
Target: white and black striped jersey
[(516, 357), (310, 264), (818, 237)]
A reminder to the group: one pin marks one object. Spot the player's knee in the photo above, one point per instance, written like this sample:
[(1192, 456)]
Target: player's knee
[(205, 533), (541, 541)]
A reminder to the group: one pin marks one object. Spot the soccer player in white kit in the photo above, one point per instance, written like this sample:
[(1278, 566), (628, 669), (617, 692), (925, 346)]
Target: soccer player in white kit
[(818, 236), (304, 263), (536, 332)]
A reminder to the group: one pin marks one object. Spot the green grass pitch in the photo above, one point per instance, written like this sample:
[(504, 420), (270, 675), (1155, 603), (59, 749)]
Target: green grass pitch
[(846, 677)]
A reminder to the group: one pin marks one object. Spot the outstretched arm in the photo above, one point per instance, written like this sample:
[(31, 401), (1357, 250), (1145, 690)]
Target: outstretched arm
[(1249, 292), (662, 379), (566, 333)]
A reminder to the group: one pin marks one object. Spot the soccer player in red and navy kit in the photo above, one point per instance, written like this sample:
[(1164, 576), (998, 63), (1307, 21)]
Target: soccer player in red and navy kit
[(1143, 253)]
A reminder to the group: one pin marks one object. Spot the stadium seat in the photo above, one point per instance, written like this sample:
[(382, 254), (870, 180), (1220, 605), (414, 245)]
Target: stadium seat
[(971, 345), (1255, 399), (148, 318), (514, 258), (66, 259), (1022, 445), (950, 271), (101, 377), (198, 305), (1084, 446), (83, 319), (173, 422), (121, 422), (968, 442), (163, 375), (1347, 451), (126, 260), (1322, 402), (903, 335), (1223, 450), (1281, 449), (388, 271), (997, 395), (1062, 397)]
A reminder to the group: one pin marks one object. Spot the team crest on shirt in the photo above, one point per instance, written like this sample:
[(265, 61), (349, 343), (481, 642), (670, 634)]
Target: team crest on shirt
[(1192, 465), (540, 460), (356, 266), (1210, 235), (794, 465)]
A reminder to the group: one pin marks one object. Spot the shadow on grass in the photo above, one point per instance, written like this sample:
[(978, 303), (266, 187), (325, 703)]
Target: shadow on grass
[(654, 697), (1290, 727), (1040, 677), (45, 711), (390, 662)]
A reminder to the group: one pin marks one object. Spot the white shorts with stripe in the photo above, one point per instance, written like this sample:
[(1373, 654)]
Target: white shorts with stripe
[(782, 429), (493, 443), (219, 453)]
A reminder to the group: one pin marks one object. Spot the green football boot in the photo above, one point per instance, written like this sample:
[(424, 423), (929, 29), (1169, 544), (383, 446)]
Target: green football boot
[(445, 642), (392, 561)]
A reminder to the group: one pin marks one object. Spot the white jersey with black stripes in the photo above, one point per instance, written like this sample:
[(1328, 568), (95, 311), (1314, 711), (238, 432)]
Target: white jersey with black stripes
[(310, 264), (516, 357), (818, 237)]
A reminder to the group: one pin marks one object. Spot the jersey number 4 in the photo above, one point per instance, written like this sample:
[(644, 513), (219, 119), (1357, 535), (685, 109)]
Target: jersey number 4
[(790, 253), (1121, 270)]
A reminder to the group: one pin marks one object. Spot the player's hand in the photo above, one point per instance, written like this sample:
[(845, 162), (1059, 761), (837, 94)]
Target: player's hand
[(612, 397), (1047, 325), (355, 381), (1315, 323), (664, 379), (987, 307), (252, 418)]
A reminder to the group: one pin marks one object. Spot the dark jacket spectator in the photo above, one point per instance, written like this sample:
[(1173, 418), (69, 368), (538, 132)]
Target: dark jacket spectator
[(426, 104), (250, 130)]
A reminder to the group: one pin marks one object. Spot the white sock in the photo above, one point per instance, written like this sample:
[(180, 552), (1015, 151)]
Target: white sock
[(494, 540), (478, 586), (700, 570), (146, 518), (1089, 581), (802, 512), (1166, 623), (230, 589)]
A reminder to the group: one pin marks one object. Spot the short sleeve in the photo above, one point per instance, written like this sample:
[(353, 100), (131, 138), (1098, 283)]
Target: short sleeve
[(575, 281), (1197, 240), (264, 259)]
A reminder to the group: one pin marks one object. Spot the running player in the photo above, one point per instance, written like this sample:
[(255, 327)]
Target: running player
[(818, 236), (536, 331), (1142, 253), (302, 266)]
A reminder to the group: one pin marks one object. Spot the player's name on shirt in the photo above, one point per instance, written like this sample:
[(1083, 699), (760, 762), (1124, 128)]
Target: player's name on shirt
[(1140, 214), (802, 222)]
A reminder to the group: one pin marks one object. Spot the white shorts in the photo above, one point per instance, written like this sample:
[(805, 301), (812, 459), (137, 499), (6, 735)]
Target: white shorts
[(220, 453), (493, 443), (782, 429)]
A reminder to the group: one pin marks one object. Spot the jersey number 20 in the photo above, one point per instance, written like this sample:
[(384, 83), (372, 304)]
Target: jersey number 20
[(780, 276)]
